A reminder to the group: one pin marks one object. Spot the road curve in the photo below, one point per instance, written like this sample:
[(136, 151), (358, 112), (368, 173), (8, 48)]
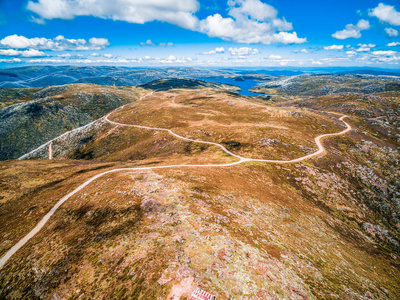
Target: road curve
[(317, 140), (45, 219)]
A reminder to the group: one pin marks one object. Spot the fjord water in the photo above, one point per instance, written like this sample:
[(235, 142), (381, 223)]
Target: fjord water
[(244, 85)]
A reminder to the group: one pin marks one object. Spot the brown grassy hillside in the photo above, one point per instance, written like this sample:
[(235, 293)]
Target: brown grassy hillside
[(325, 228)]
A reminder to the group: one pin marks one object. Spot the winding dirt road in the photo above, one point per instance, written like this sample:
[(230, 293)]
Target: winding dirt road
[(42, 222)]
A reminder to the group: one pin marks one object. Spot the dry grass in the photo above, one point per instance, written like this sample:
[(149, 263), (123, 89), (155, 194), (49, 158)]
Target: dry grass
[(233, 231), (223, 119), (255, 230)]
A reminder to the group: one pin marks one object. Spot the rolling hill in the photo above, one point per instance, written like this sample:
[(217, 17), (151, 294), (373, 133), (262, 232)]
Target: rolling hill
[(152, 211)]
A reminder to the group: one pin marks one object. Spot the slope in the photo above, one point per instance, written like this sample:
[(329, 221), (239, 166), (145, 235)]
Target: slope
[(305, 230)]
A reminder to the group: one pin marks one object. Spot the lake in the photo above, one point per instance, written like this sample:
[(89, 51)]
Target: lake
[(243, 85)]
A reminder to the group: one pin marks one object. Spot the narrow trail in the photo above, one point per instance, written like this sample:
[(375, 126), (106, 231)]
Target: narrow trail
[(45, 219), (317, 140)]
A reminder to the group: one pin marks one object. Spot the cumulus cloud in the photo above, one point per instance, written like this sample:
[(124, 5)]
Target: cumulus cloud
[(178, 12), (25, 53), (98, 43), (249, 21), (243, 51), (11, 60), (147, 43), (301, 51), (393, 44), (366, 45), (391, 32), (386, 13), (173, 60), (152, 44), (334, 47), (46, 60), (60, 43), (33, 53), (316, 62), (352, 31), (272, 56), (9, 52), (386, 53), (166, 44), (218, 50)]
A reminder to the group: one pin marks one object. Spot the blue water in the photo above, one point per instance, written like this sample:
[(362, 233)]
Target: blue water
[(243, 85)]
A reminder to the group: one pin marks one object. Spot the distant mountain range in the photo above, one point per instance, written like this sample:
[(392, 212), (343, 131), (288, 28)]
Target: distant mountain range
[(43, 76)]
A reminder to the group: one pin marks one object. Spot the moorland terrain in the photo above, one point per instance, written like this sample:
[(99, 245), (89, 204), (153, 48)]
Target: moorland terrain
[(326, 227)]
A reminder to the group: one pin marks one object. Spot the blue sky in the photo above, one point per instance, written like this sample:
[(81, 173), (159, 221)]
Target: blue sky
[(216, 33)]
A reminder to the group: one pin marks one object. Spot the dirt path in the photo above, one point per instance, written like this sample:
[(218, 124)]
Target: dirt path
[(42, 222), (317, 140)]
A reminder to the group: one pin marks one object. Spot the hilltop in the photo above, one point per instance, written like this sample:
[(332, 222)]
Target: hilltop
[(39, 115), (326, 84), (182, 83), (326, 227)]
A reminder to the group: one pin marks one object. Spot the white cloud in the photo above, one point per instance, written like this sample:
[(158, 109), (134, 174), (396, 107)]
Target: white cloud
[(244, 27), (243, 51), (25, 53), (178, 12), (386, 13), (363, 49), (249, 21), (39, 21), (173, 60), (386, 53), (33, 53), (351, 53), (11, 60), (9, 52), (304, 51), (334, 47), (107, 55), (316, 62), (57, 44), (152, 44), (393, 44), (147, 43), (165, 44), (391, 32), (352, 31), (366, 45), (275, 57), (218, 50), (46, 60), (99, 43)]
